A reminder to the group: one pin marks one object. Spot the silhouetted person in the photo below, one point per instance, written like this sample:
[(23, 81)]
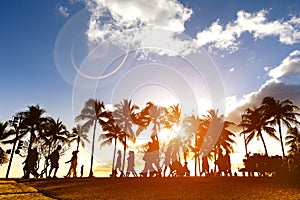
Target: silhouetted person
[(81, 171), (119, 162), (148, 163), (73, 166), (31, 163), (221, 163), (227, 164), (154, 149), (205, 166), (130, 166), (54, 157)]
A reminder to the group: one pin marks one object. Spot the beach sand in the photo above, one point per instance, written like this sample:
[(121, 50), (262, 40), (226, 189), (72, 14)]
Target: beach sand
[(167, 188)]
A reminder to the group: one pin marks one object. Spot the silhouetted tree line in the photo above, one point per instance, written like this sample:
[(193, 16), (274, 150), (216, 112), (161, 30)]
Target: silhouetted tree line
[(257, 122), (126, 121)]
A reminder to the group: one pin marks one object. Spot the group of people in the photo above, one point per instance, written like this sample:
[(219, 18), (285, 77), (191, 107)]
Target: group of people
[(152, 167), (31, 164), (224, 164), (152, 163)]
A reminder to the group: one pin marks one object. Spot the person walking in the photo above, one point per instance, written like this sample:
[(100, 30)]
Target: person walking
[(54, 158), (73, 166), (130, 167)]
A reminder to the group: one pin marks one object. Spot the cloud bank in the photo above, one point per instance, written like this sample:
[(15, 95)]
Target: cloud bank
[(278, 88), (225, 37)]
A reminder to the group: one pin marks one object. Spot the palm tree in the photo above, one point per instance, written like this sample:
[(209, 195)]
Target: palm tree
[(293, 139), (3, 135), (280, 111), (91, 114), (124, 117), (173, 116), (225, 140), (211, 126), (79, 134), (33, 120), (255, 123), (53, 133), (191, 125), (113, 133)]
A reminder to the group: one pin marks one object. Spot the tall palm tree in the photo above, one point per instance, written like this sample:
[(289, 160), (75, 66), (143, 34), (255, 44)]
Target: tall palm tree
[(79, 134), (280, 111), (32, 120), (255, 123), (53, 133), (112, 134), (191, 125), (211, 125), (92, 112), (124, 117)]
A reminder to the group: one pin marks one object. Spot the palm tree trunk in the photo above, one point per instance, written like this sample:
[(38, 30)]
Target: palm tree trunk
[(215, 158), (196, 154), (281, 140), (114, 156), (47, 160), (78, 141), (123, 164), (262, 139), (195, 163), (199, 166), (30, 139), (93, 144)]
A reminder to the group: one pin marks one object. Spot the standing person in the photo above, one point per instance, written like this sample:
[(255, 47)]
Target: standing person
[(81, 171), (54, 157), (130, 167), (31, 164), (119, 162), (227, 164), (73, 165), (154, 152), (205, 166)]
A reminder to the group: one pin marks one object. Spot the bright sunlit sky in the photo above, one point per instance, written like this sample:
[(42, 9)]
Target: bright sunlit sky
[(245, 50)]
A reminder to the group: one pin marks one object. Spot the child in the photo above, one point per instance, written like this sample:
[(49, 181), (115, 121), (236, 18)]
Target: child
[(81, 171)]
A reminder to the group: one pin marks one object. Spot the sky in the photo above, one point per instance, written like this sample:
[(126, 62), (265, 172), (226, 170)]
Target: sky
[(226, 55)]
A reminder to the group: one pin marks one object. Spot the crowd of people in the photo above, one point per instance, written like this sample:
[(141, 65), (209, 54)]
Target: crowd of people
[(152, 167)]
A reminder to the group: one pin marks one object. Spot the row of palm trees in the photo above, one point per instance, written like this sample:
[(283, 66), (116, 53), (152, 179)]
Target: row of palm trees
[(271, 113), (126, 121), (45, 133)]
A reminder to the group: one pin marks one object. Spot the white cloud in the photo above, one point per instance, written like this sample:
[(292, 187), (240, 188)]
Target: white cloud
[(63, 11), (226, 37), (289, 66), (279, 89), (274, 88), (110, 19)]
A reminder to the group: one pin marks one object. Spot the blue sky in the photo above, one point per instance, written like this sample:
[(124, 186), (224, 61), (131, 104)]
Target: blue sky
[(255, 45)]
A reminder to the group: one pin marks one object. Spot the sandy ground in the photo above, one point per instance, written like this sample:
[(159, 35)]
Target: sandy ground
[(167, 188)]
